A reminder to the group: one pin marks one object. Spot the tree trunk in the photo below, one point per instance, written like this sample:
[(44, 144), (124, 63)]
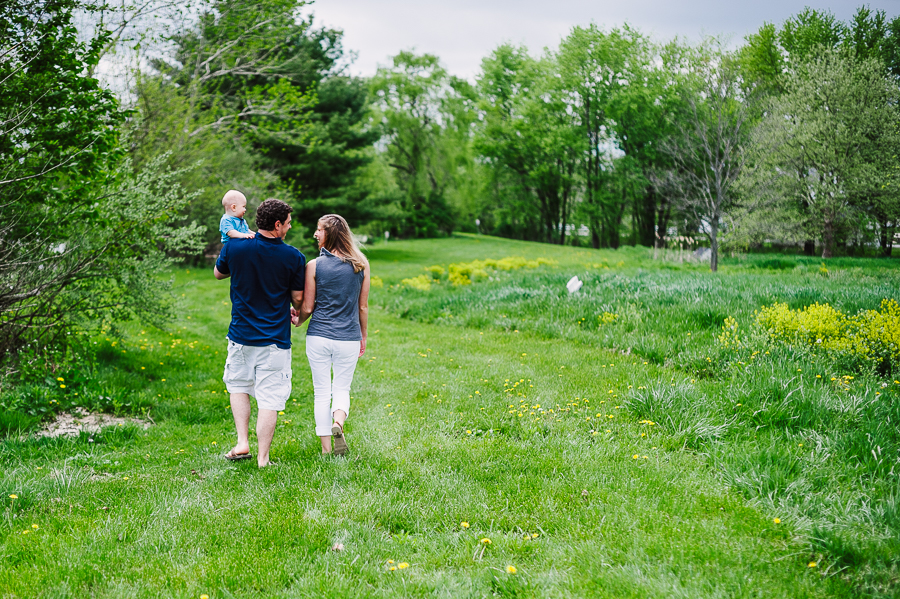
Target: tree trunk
[(665, 210), (809, 248), (714, 245), (828, 240), (886, 238)]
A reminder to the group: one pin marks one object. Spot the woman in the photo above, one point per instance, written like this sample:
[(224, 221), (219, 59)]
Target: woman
[(336, 294)]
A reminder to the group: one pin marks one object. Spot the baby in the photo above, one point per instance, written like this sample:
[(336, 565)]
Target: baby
[(232, 225)]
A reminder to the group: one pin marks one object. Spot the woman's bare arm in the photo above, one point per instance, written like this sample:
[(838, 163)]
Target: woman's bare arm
[(309, 293), (364, 311)]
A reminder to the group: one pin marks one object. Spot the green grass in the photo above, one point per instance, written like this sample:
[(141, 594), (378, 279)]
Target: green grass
[(434, 443)]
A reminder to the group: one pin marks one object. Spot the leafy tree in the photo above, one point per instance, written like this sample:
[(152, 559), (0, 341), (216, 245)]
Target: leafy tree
[(526, 134), (761, 60), (223, 86), (646, 113), (827, 142), (323, 165), (424, 115), (802, 36), (708, 152), (81, 235), (595, 67)]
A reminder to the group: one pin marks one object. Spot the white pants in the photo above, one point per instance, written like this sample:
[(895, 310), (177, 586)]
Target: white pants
[(325, 355)]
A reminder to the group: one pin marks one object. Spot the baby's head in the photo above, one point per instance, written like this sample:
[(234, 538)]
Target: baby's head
[(235, 203)]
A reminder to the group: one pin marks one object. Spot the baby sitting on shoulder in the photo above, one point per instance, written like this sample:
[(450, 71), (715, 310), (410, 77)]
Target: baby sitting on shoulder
[(232, 225)]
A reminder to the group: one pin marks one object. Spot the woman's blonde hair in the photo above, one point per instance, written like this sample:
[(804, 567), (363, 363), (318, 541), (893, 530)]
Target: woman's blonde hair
[(338, 237)]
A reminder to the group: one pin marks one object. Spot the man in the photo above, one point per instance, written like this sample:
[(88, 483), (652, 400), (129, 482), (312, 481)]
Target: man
[(267, 278)]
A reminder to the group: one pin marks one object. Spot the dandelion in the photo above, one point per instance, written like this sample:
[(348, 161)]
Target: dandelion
[(204, 596), (776, 520), (13, 496), (60, 379), (811, 564), (485, 541), (35, 526), (393, 568), (402, 565), (511, 570), (62, 386)]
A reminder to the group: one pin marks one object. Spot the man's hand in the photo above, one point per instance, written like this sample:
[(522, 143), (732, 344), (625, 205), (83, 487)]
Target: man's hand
[(295, 317)]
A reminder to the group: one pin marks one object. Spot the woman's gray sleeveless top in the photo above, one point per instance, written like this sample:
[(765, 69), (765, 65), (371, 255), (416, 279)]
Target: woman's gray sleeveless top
[(336, 315)]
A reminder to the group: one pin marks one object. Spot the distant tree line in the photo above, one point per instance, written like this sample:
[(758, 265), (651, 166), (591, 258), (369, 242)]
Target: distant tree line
[(121, 125), (613, 138)]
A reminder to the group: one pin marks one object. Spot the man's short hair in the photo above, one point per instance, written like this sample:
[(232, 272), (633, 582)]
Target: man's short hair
[(270, 212)]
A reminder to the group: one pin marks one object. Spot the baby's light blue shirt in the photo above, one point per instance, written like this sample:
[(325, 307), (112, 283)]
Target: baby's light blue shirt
[(228, 223)]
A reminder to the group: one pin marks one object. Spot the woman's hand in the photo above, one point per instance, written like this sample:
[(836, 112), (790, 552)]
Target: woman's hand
[(362, 347)]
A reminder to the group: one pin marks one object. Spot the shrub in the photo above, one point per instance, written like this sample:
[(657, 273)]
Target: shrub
[(463, 273), (871, 336), (422, 282)]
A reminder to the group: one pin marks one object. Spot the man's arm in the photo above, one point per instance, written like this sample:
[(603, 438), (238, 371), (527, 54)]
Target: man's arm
[(296, 302), (219, 275)]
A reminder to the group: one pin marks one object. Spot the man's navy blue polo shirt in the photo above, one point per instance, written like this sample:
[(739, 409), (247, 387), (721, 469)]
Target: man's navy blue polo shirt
[(264, 271)]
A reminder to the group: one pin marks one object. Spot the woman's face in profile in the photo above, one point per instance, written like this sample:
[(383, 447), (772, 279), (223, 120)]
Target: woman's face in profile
[(320, 235)]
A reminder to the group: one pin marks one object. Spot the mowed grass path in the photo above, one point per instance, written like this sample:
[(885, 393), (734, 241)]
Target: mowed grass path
[(579, 504)]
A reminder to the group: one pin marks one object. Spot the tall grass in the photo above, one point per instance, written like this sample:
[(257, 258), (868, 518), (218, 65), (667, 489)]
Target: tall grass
[(797, 432)]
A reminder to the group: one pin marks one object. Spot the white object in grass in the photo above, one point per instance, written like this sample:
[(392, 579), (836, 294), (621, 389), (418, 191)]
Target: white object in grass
[(574, 284)]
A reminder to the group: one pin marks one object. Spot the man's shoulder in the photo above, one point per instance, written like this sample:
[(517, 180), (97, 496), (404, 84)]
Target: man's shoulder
[(290, 250)]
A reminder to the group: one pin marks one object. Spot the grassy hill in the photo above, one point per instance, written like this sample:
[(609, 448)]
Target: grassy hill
[(507, 438)]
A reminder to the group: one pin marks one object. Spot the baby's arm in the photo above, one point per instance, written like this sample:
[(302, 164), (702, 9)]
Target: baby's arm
[(234, 234)]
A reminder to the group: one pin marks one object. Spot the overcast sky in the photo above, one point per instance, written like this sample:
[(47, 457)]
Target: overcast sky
[(462, 32)]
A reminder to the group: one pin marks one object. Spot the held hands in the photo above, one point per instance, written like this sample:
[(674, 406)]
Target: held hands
[(295, 317)]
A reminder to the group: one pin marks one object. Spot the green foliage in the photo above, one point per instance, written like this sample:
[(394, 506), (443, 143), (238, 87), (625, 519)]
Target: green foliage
[(424, 115), (232, 83), (871, 337), (83, 235), (527, 135), (824, 145)]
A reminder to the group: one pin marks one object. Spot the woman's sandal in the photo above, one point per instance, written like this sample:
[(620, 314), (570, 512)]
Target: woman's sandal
[(340, 444)]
